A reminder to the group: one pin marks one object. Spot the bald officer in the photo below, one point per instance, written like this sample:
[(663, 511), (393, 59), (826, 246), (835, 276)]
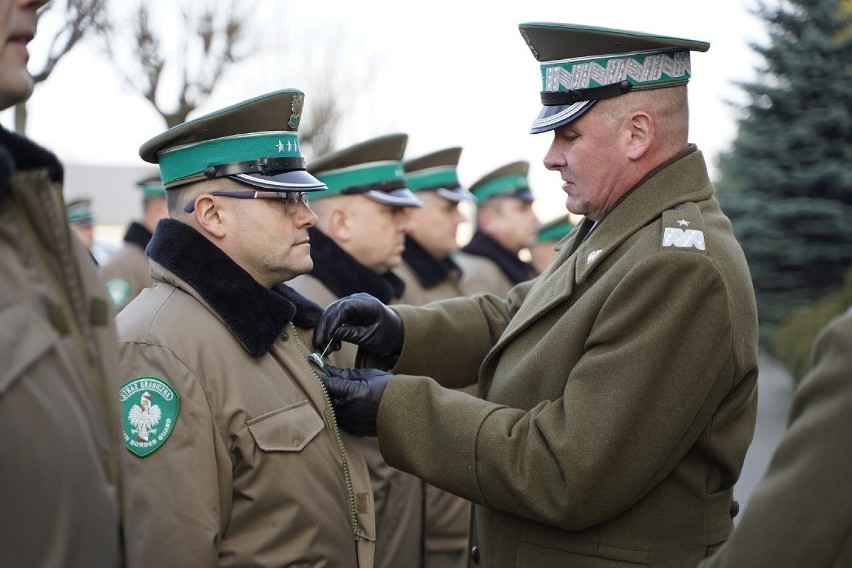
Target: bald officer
[(126, 271), (618, 388), (233, 456)]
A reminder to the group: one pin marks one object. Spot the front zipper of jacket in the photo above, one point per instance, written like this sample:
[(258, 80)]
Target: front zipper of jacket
[(332, 420)]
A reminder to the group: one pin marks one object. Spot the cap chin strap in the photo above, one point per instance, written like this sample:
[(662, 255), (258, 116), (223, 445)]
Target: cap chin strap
[(572, 96), (265, 166), (384, 186)]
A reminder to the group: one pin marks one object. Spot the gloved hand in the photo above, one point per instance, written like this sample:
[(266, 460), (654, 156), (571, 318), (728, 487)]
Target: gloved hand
[(363, 320), (355, 395)]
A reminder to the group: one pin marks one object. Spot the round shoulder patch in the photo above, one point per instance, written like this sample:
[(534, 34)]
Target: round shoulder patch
[(119, 292), (149, 409)]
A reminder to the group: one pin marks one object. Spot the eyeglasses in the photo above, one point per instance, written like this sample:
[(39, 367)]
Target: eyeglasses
[(291, 199)]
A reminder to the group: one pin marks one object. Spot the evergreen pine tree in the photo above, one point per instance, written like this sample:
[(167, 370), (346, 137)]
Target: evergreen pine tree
[(786, 182)]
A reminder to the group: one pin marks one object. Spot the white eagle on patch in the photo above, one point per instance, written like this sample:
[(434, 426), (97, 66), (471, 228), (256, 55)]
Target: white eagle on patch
[(143, 417)]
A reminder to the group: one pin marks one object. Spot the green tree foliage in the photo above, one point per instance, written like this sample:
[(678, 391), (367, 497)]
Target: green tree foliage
[(786, 182), (794, 339)]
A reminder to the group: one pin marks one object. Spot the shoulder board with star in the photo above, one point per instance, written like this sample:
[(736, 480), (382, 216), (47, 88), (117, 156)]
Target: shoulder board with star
[(683, 228)]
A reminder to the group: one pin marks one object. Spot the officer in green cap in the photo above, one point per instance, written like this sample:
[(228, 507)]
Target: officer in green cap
[(126, 271), (81, 219), (428, 269), (618, 388), (358, 241), (549, 235), (431, 274), (505, 225), (233, 455)]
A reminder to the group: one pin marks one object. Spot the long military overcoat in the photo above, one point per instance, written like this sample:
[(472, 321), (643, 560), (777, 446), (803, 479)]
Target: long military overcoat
[(618, 390), (800, 514)]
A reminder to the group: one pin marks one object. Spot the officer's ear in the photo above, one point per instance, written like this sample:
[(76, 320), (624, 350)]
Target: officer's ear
[(338, 223), (641, 131), (210, 215)]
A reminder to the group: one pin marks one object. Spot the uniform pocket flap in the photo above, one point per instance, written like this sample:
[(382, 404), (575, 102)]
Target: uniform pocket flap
[(287, 429), (24, 338)]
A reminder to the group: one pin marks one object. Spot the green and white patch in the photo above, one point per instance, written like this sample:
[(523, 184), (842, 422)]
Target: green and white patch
[(149, 410), (119, 292)]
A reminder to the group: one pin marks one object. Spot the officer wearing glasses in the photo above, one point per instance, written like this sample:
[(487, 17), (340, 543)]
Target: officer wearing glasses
[(232, 451)]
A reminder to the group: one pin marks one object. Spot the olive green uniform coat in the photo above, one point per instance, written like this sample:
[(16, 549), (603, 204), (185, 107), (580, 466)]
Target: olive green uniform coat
[(255, 472), (800, 514), (618, 390), (58, 426)]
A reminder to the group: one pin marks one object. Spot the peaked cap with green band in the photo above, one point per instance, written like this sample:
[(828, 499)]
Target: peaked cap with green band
[(151, 187), (372, 168), (79, 212), (506, 181), (582, 64), (437, 172), (254, 142), (555, 230)]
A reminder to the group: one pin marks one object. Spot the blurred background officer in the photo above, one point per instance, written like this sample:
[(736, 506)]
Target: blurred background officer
[(430, 274), (800, 513), (126, 272), (505, 225), (618, 388), (233, 456), (355, 245), (81, 218), (549, 234), (428, 269), (58, 429)]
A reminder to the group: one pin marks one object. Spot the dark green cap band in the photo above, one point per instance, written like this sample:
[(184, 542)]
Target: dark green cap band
[(360, 175), (499, 186), (433, 178), (80, 213), (152, 189), (555, 232), (185, 161)]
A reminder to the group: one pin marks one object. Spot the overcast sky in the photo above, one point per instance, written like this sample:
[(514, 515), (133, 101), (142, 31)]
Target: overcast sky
[(452, 73)]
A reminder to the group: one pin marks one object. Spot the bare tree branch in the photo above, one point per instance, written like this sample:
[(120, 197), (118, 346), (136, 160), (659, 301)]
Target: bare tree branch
[(214, 40), (77, 18)]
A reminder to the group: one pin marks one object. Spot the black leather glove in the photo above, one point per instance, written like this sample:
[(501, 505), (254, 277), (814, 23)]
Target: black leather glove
[(363, 320), (355, 395)]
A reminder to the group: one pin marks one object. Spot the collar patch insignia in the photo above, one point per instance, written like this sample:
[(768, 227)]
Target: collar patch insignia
[(680, 238), (593, 256), (149, 410)]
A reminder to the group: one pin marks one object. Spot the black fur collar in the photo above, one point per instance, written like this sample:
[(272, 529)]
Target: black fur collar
[(256, 315), (138, 235), (20, 153), (513, 267), (429, 270), (343, 275)]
